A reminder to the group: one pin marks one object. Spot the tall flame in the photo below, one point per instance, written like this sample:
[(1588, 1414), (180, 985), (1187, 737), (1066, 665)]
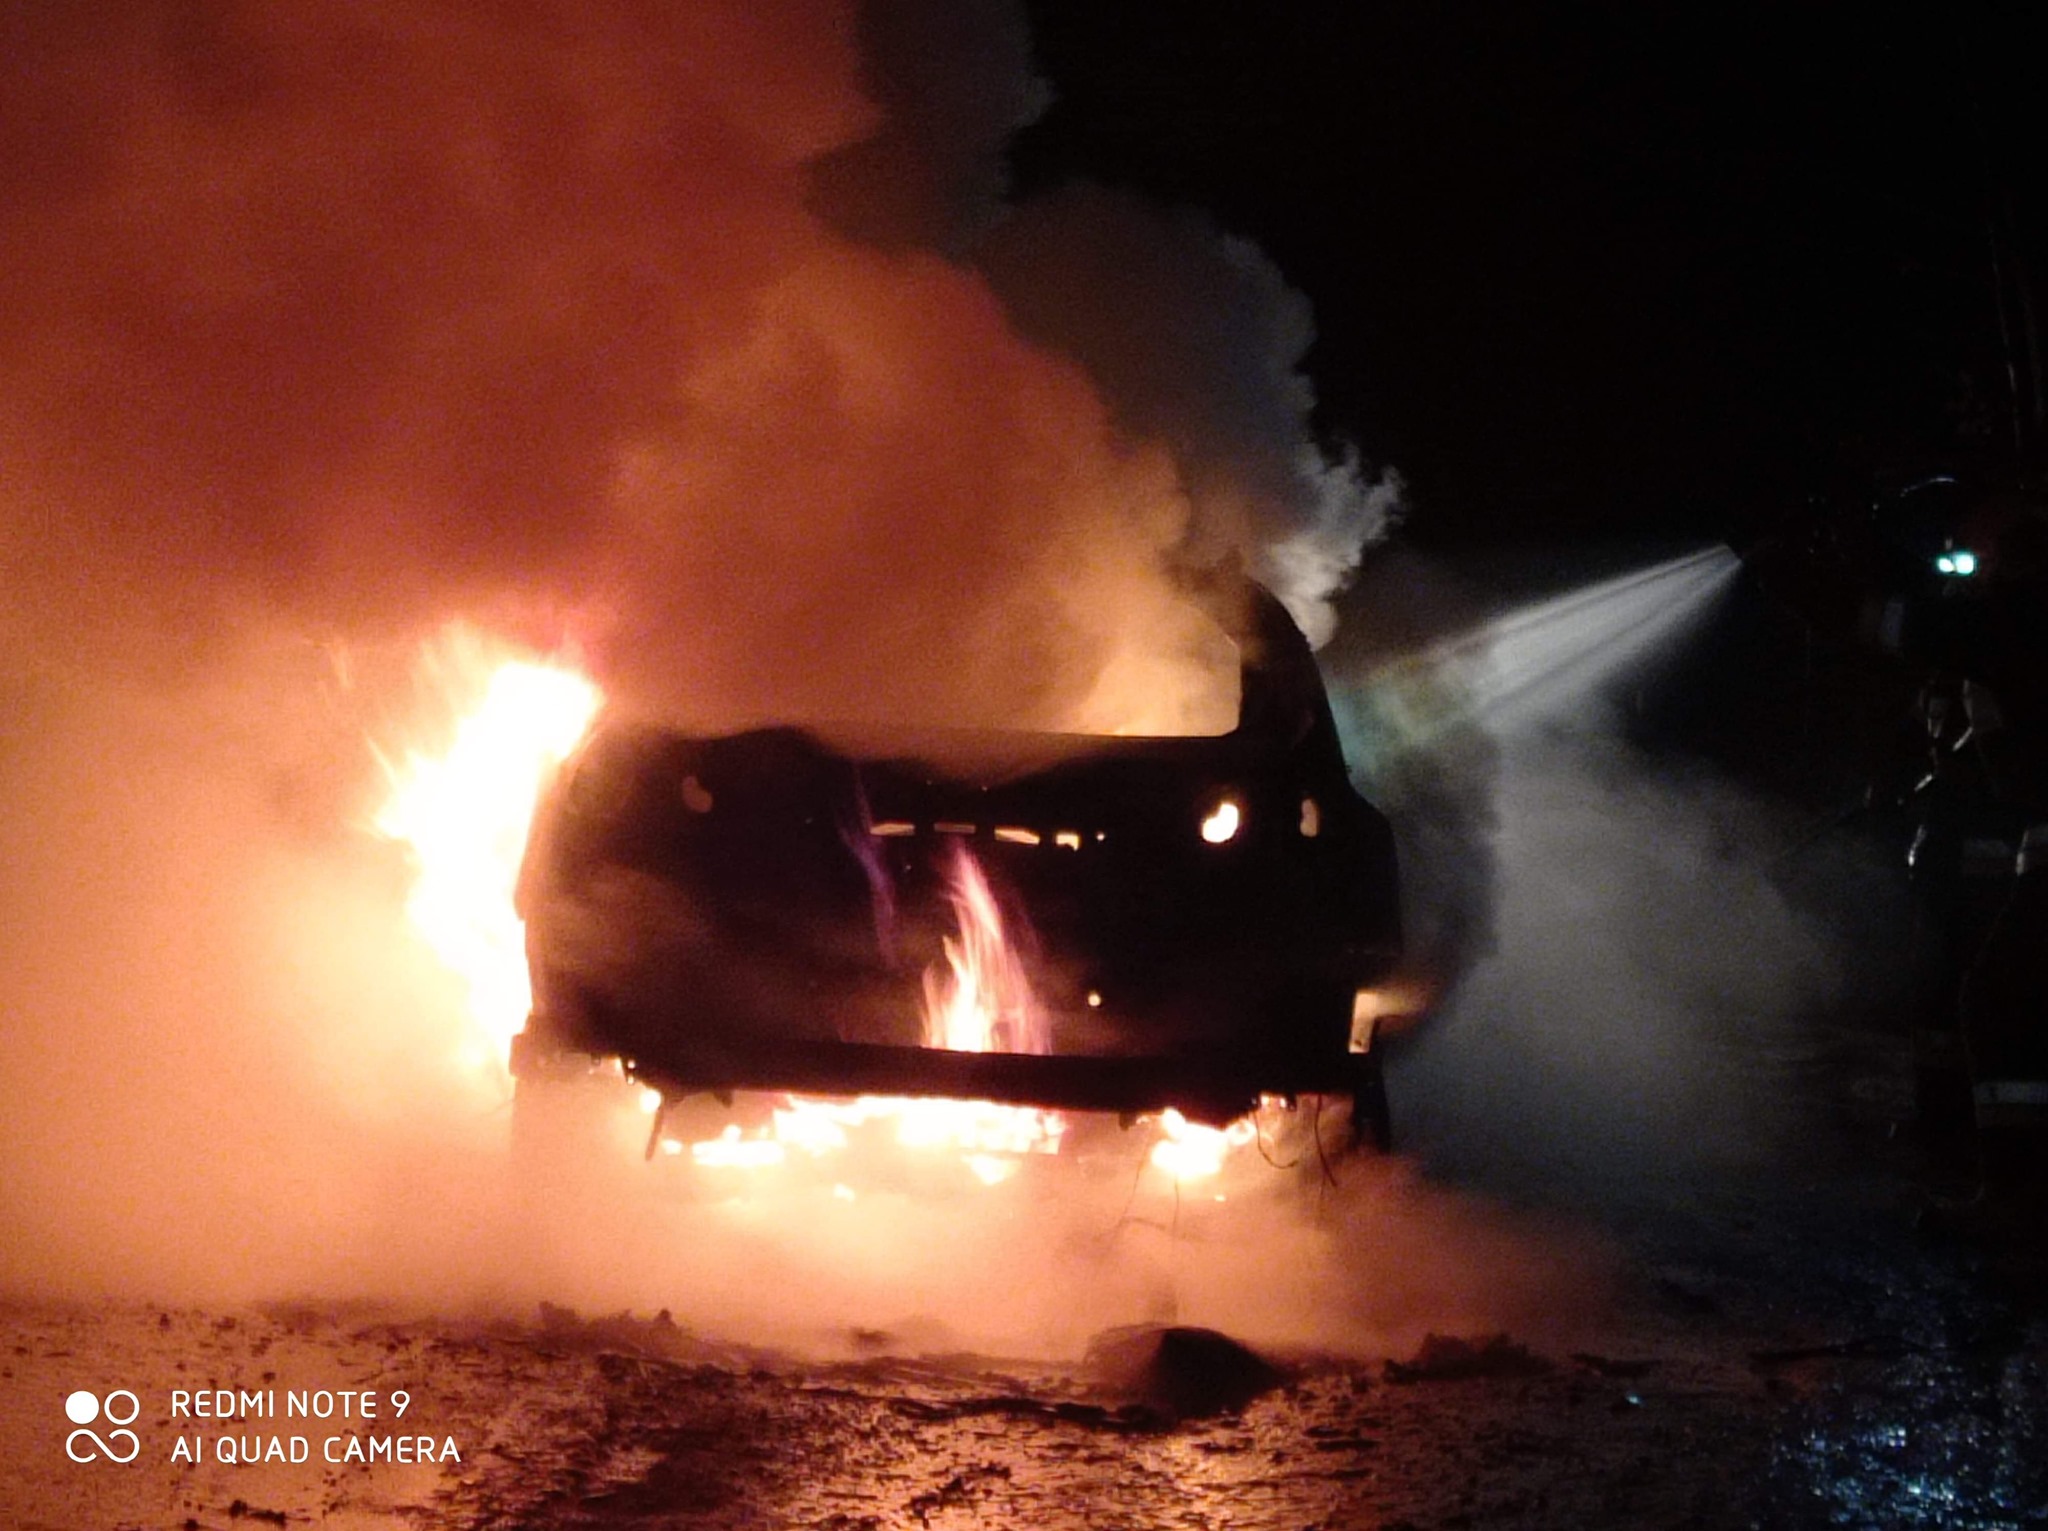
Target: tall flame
[(983, 1001), (463, 813)]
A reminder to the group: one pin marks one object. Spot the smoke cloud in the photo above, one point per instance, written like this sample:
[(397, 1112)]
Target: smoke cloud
[(1633, 955), (1198, 341), (356, 322), (699, 338)]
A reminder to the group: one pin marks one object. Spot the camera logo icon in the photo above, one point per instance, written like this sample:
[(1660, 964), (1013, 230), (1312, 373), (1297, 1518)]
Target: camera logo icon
[(83, 1408)]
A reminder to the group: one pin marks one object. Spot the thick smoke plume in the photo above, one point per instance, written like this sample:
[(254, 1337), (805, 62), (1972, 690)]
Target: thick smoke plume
[(699, 338), (1198, 341), (354, 321)]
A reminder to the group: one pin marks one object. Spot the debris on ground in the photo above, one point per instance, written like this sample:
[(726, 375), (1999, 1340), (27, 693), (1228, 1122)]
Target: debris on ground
[(1615, 1368), (1179, 1372), (1446, 1358)]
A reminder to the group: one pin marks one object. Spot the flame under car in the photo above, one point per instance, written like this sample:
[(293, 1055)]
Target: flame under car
[(1189, 918)]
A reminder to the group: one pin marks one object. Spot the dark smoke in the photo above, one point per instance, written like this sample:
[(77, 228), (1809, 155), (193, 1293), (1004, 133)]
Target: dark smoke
[(955, 82), (1197, 340), (1190, 334)]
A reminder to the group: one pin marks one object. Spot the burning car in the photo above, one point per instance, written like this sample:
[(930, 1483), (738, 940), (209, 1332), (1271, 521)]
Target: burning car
[(1046, 921)]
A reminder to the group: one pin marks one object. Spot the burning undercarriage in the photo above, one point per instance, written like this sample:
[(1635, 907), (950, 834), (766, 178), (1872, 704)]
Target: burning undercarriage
[(1046, 922)]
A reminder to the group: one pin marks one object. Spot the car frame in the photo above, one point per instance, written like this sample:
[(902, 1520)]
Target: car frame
[(767, 910)]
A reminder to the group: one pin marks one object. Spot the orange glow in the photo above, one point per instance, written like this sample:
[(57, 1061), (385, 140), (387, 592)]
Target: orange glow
[(463, 814), (981, 1001), (463, 811), (1222, 824), (1189, 1151)]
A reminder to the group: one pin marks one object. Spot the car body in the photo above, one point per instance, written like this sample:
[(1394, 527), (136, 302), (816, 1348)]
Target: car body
[(769, 910)]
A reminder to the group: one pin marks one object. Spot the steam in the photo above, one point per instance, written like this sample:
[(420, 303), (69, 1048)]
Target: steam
[(1646, 959), (1630, 952), (1365, 1266)]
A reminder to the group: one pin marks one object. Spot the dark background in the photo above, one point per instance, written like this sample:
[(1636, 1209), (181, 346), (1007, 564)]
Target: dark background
[(1582, 270)]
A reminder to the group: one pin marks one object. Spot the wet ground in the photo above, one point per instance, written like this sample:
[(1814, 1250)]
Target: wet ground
[(1786, 1346), (1661, 1249)]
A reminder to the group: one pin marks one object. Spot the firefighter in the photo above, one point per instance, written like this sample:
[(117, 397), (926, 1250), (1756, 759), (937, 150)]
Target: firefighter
[(2000, 641), (1954, 585)]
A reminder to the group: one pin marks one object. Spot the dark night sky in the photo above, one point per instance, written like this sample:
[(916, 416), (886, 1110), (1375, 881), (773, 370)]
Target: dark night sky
[(1592, 266)]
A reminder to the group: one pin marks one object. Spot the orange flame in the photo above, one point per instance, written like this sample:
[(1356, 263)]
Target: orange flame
[(981, 1002), (1189, 1151), (463, 814)]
